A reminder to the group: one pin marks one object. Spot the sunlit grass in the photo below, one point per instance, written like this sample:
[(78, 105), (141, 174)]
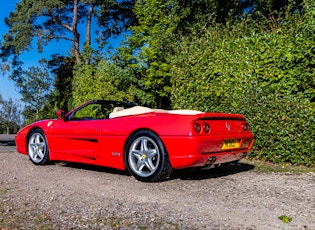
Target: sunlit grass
[(261, 166)]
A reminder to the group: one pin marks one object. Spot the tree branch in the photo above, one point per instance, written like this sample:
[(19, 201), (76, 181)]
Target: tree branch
[(61, 37), (55, 20)]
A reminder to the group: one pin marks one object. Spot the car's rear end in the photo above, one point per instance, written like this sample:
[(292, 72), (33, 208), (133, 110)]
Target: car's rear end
[(214, 138)]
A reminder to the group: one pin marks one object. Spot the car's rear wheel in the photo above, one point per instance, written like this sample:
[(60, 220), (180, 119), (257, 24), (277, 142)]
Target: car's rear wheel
[(146, 157), (37, 147)]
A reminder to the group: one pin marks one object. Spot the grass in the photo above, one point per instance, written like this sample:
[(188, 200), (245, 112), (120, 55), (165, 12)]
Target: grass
[(285, 219), (3, 191), (262, 166)]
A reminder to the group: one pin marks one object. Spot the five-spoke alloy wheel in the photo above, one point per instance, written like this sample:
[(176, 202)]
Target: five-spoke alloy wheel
[(38, 148), (146, 158)]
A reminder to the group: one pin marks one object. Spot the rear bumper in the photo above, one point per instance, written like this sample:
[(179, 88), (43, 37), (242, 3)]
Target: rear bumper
[(197, 151)]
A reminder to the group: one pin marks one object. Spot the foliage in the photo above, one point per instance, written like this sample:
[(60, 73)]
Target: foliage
[(102, 82), (34, 86), (160, 23), (62, 69), (285, 219), (266, 75), (284, 126), (145, 51), (223, 60), (42, 20), (10, 116), (59, 20)]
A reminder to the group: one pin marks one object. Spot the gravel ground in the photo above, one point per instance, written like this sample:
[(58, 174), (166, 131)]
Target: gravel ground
[(73, 196)]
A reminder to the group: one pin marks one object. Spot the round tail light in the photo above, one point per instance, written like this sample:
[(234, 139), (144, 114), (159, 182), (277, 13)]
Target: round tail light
[(197, 127), (246, 127), (206, 127)]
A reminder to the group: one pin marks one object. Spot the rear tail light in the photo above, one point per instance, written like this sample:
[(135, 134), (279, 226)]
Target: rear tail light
[(245, 126), (197, 127), (206, 127), (201, 127)]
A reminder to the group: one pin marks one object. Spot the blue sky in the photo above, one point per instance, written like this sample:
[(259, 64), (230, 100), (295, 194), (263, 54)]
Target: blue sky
[(7, 89)]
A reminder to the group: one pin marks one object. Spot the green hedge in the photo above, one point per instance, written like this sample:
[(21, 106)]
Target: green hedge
[(284, 126), (267, 76)]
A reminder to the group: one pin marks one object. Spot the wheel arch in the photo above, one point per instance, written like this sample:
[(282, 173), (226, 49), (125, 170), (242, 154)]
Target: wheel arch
[(140, 130), (165, 168), (41, 146), (29, 133)]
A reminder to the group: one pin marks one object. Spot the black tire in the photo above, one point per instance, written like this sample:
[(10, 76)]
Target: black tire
[(37, 147), (146, 157)]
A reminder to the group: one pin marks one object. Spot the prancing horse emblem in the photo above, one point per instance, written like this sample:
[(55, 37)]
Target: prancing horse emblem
[(228, 126)]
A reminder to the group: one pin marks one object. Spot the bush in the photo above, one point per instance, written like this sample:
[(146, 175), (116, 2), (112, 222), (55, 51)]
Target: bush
[(266, 75), (284, 126), (101, 82)]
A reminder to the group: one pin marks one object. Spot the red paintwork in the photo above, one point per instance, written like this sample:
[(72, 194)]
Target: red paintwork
[(107, 138)]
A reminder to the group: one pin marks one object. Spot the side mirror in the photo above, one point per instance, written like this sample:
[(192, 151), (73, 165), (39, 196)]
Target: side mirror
[(61, 114)]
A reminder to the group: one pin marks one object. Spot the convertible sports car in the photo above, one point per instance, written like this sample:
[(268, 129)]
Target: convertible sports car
[(150, 143)]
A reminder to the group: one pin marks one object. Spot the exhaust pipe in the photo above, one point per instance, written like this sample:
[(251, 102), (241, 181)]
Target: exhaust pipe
[(243, 155), (212, 159)]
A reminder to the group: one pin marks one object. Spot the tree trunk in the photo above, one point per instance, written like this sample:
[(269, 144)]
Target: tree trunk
[(75, 32), (88, 25), (88, 29)]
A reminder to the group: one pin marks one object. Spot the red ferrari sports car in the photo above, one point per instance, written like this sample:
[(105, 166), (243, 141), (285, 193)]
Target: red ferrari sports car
[(150, 143)]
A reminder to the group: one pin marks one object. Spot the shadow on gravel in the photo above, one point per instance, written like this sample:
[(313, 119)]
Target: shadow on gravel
[(202, 174), (184, 174), (93, 168)]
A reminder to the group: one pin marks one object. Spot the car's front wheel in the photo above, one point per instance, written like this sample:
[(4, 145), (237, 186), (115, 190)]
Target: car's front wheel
[(38, 148), (146, 157)]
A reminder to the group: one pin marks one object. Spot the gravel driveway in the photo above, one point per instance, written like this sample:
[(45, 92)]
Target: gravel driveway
[(72, 196)]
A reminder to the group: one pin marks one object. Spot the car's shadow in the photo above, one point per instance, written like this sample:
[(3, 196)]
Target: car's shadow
[(184, 174), (93, 168), (203, 174)]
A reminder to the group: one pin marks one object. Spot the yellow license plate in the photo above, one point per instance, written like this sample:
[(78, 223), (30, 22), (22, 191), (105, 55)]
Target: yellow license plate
[(230, 144)]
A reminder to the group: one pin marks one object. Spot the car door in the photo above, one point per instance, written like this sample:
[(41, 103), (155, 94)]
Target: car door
[(80, 135), (77, 138)]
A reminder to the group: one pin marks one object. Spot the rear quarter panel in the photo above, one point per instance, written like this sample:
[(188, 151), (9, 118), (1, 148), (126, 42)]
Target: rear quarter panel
[(183, 145), (163, 125)]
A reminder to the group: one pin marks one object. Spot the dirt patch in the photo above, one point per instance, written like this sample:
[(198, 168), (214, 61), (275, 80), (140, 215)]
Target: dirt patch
[(65, 196)]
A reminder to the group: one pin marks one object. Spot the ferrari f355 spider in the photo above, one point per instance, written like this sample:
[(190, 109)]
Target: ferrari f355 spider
[(149, 143)]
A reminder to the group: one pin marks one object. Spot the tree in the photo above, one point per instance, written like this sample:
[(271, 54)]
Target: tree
[(62, 69), (43, 21), (159, 25), (59, 20), (34, 86), (266, 7), (10, 115)]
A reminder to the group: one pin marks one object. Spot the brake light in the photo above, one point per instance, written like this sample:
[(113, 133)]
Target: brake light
[(197, 127), (203, 127), (206, 127), (245, 127)]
